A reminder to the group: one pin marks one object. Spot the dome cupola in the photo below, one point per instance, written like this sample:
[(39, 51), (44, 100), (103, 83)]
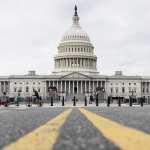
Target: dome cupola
[(75, 50)]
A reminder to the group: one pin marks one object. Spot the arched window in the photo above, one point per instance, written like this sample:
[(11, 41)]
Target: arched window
[(15, 89), (27, 89)]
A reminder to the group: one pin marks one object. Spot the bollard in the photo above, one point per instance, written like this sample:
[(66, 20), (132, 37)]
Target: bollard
[(108, 101), (29, 102), (119, 101), (51, 101), (85, 101), (130, 102), (63, 101), (141, 101), (29, 105), (74, 101), (40, 103), (97, 100), (17, 103)]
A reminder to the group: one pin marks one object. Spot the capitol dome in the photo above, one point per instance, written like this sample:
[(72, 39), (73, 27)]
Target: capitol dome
[(75, 33), (75, 50)]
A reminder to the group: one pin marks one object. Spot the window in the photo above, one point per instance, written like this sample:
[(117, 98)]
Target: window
[(129, 83), (15, 89), (116, 89), (111, 90), (143, 90), (147, 90), (129, 89), (123, 90), (134, 83), (39, 89), (20, 89), (27, 89)]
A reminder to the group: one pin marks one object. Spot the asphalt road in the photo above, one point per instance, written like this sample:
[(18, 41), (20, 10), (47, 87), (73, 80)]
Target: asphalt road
[(77, 133), (135, 117), (16, 123)]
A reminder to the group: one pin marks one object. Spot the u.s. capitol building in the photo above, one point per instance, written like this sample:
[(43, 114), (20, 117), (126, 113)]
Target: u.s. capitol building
[(75, 73)]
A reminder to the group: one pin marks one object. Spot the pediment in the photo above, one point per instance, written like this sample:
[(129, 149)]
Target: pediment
[(75, 75)]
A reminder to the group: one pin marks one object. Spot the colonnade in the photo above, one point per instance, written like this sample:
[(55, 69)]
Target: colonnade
[(4, 86), (145, 87), (76, 87), (89, 63)]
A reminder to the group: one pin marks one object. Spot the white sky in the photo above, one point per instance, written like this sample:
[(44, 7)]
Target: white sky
[(30, 31)]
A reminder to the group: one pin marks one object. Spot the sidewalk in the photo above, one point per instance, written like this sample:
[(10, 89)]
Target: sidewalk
[(67, 104)]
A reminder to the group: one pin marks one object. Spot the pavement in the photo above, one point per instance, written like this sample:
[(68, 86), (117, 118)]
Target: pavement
[(75, 128)]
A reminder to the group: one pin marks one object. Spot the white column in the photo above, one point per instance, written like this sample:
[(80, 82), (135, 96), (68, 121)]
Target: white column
[(63, 63), (69, 87), (89, 86), (4, 86), (60, 63), (67, 62), (97, 83), (93, 86), (53, 83), (81, 87), (57, 85), (61, 86), (70, 62), (57, 64), (65, 87), (85, 87)]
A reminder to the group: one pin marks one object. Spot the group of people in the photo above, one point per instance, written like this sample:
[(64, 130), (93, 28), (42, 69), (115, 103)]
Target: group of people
[(5, 100)]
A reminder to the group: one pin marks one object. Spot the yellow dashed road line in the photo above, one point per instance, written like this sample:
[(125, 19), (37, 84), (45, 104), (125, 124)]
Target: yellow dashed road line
[(124, 137), (42, 138)]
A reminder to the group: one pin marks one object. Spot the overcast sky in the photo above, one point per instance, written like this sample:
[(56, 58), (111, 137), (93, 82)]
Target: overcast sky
[(30, 31)]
